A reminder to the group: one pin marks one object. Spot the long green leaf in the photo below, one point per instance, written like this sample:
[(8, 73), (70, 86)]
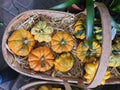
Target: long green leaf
[(115, 5), (114, 24), (65, 4), (89, 21), (116, 9)]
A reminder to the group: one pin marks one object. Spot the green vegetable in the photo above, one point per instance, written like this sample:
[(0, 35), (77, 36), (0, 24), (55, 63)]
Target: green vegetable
[(65, 4), (90, 22)]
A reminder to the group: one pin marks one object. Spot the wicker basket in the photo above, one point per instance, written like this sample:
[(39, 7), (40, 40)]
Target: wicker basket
[(36, 84), (106, 47)]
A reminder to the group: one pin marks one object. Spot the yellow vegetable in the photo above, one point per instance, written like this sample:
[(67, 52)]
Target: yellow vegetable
[(21, 42), (79, 30), (45, 87), (114, 61), (90, 69), (42, 32), (83, 51), (56, 89), (115, 55), (62, 42), (48, 87), (116, 44), (41, 59), (64, 62), (98, 33)]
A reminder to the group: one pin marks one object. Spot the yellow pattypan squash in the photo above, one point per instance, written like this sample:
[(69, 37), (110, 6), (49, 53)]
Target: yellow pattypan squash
[(42, 32), (114, 61), (45, 87), (90, 69), (116, 43), (48, 87), (56, 89), (64, 62), (115, 55)]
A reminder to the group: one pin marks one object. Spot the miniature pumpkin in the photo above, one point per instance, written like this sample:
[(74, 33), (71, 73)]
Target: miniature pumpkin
[(62, 42), (115, 55), (45, 87), (56, 89), (98, 33), (114, 60), (79, 30), (116, 44), (64, 62), (90, 69), (83, 51), (21, 42), (48, 87), (41, 59), (42, 32)]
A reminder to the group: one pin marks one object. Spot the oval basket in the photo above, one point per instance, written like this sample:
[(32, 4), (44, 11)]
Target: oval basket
[(36, 84), (106, 47)]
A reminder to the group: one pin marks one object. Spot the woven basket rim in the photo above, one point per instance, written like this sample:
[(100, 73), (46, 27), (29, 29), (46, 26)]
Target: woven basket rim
[(5, 52), (26, 86)]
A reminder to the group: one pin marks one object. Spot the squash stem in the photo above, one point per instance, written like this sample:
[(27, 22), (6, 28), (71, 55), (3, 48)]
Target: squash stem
[(62, 42), (25, 41), (42, 61)]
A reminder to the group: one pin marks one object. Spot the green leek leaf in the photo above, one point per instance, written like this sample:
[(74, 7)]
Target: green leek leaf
[(89, 22), (114, 24), (65, 4), (115, 5)]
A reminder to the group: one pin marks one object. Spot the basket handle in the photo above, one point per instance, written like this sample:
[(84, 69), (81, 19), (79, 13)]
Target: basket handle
[(67, 86), (106, 47)]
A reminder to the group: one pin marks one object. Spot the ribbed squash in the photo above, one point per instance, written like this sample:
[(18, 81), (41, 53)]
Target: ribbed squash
[(115, 55), (114, 61), (79, 30), (84, 52), (21, 42), (116, 45), (90, 69), (48, 87), (56, 89), (41, 59), (62, 42), (64, 62), (98, 33), (45, 87), (42, 31)]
